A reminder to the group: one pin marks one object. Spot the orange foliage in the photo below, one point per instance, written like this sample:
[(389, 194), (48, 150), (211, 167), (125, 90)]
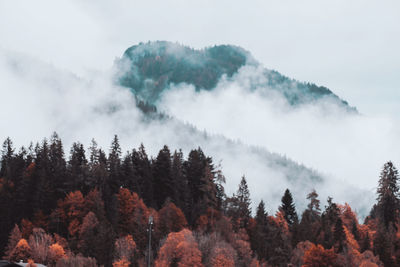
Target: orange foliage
[(56, 252), (299, 251), (61, 241), (171, 219), (74, 227), (122, 263), (317, 256), (179, 248), (347, 215), (131, 209), (22, 251), (74, 205), (223, 255), (133, 216), (208, 221), (31, 263), (351, 242), (71, 211), (280, 222)]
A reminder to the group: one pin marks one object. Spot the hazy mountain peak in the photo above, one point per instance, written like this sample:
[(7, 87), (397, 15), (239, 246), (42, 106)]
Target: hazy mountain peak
[(151, 68)]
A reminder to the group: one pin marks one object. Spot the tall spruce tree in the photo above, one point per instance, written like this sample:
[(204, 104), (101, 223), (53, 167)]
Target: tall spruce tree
[(244, 201), (388, 194), (288, 208), (164, 187)]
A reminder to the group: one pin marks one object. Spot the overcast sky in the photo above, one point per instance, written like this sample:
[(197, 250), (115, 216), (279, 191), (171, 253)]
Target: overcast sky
[(348, 46)]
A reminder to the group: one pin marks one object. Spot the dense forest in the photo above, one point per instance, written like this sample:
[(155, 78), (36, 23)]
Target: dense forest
[(94, 207)]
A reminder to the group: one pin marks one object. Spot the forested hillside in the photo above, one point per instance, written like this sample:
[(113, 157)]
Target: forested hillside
[(93, 208), (149, 69)]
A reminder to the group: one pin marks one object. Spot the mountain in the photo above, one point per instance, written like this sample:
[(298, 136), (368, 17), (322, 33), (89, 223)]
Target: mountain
[(149, 69)]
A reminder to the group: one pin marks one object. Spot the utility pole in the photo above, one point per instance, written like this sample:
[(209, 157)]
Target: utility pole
[(150, 230)]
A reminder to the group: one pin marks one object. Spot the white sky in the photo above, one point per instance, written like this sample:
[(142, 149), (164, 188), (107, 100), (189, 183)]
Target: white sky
[(349, 46)]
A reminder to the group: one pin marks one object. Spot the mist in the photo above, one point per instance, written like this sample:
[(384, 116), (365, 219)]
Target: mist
[(323, 135), (38, 98)]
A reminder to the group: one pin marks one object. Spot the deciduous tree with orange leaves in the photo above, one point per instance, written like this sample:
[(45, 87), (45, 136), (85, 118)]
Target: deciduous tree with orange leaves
[(179, 249), (22, 251), (133, 216), (317, 256), (171, 219)]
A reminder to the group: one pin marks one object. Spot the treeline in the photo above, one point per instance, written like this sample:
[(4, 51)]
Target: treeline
[(94, 208)]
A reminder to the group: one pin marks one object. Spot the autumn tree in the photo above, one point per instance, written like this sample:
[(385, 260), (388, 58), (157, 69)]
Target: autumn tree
[(171, 219), (124, 250), (121, 263), (317, 256), (179, 249), (223, 255), (56, 252), (132, 216), (22, 251), (14, 238)]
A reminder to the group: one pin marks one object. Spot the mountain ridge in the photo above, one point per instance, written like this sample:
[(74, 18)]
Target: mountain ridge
[(151, 68)]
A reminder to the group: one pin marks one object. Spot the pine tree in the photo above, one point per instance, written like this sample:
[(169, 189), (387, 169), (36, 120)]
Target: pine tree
[(114, 165), (77, 168), (339, 235), (57, 175), (181, 196), (261, 214), (388, 194), (164, 186), (288, 208), (313, 206), (258, 234), (244, 202), (144, 180)]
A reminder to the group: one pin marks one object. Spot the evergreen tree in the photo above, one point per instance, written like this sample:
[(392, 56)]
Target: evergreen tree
[(114, 165), (258, 234), (244, 202), (339, 235), (164, 185), (388, 194), (143, 182), (313, 206), (181, 196), (288, 208), (310, 220), (57, 175), (77, 168)]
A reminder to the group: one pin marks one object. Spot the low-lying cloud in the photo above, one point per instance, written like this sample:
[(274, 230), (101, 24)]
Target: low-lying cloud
[(348, 146), (39, 99)]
